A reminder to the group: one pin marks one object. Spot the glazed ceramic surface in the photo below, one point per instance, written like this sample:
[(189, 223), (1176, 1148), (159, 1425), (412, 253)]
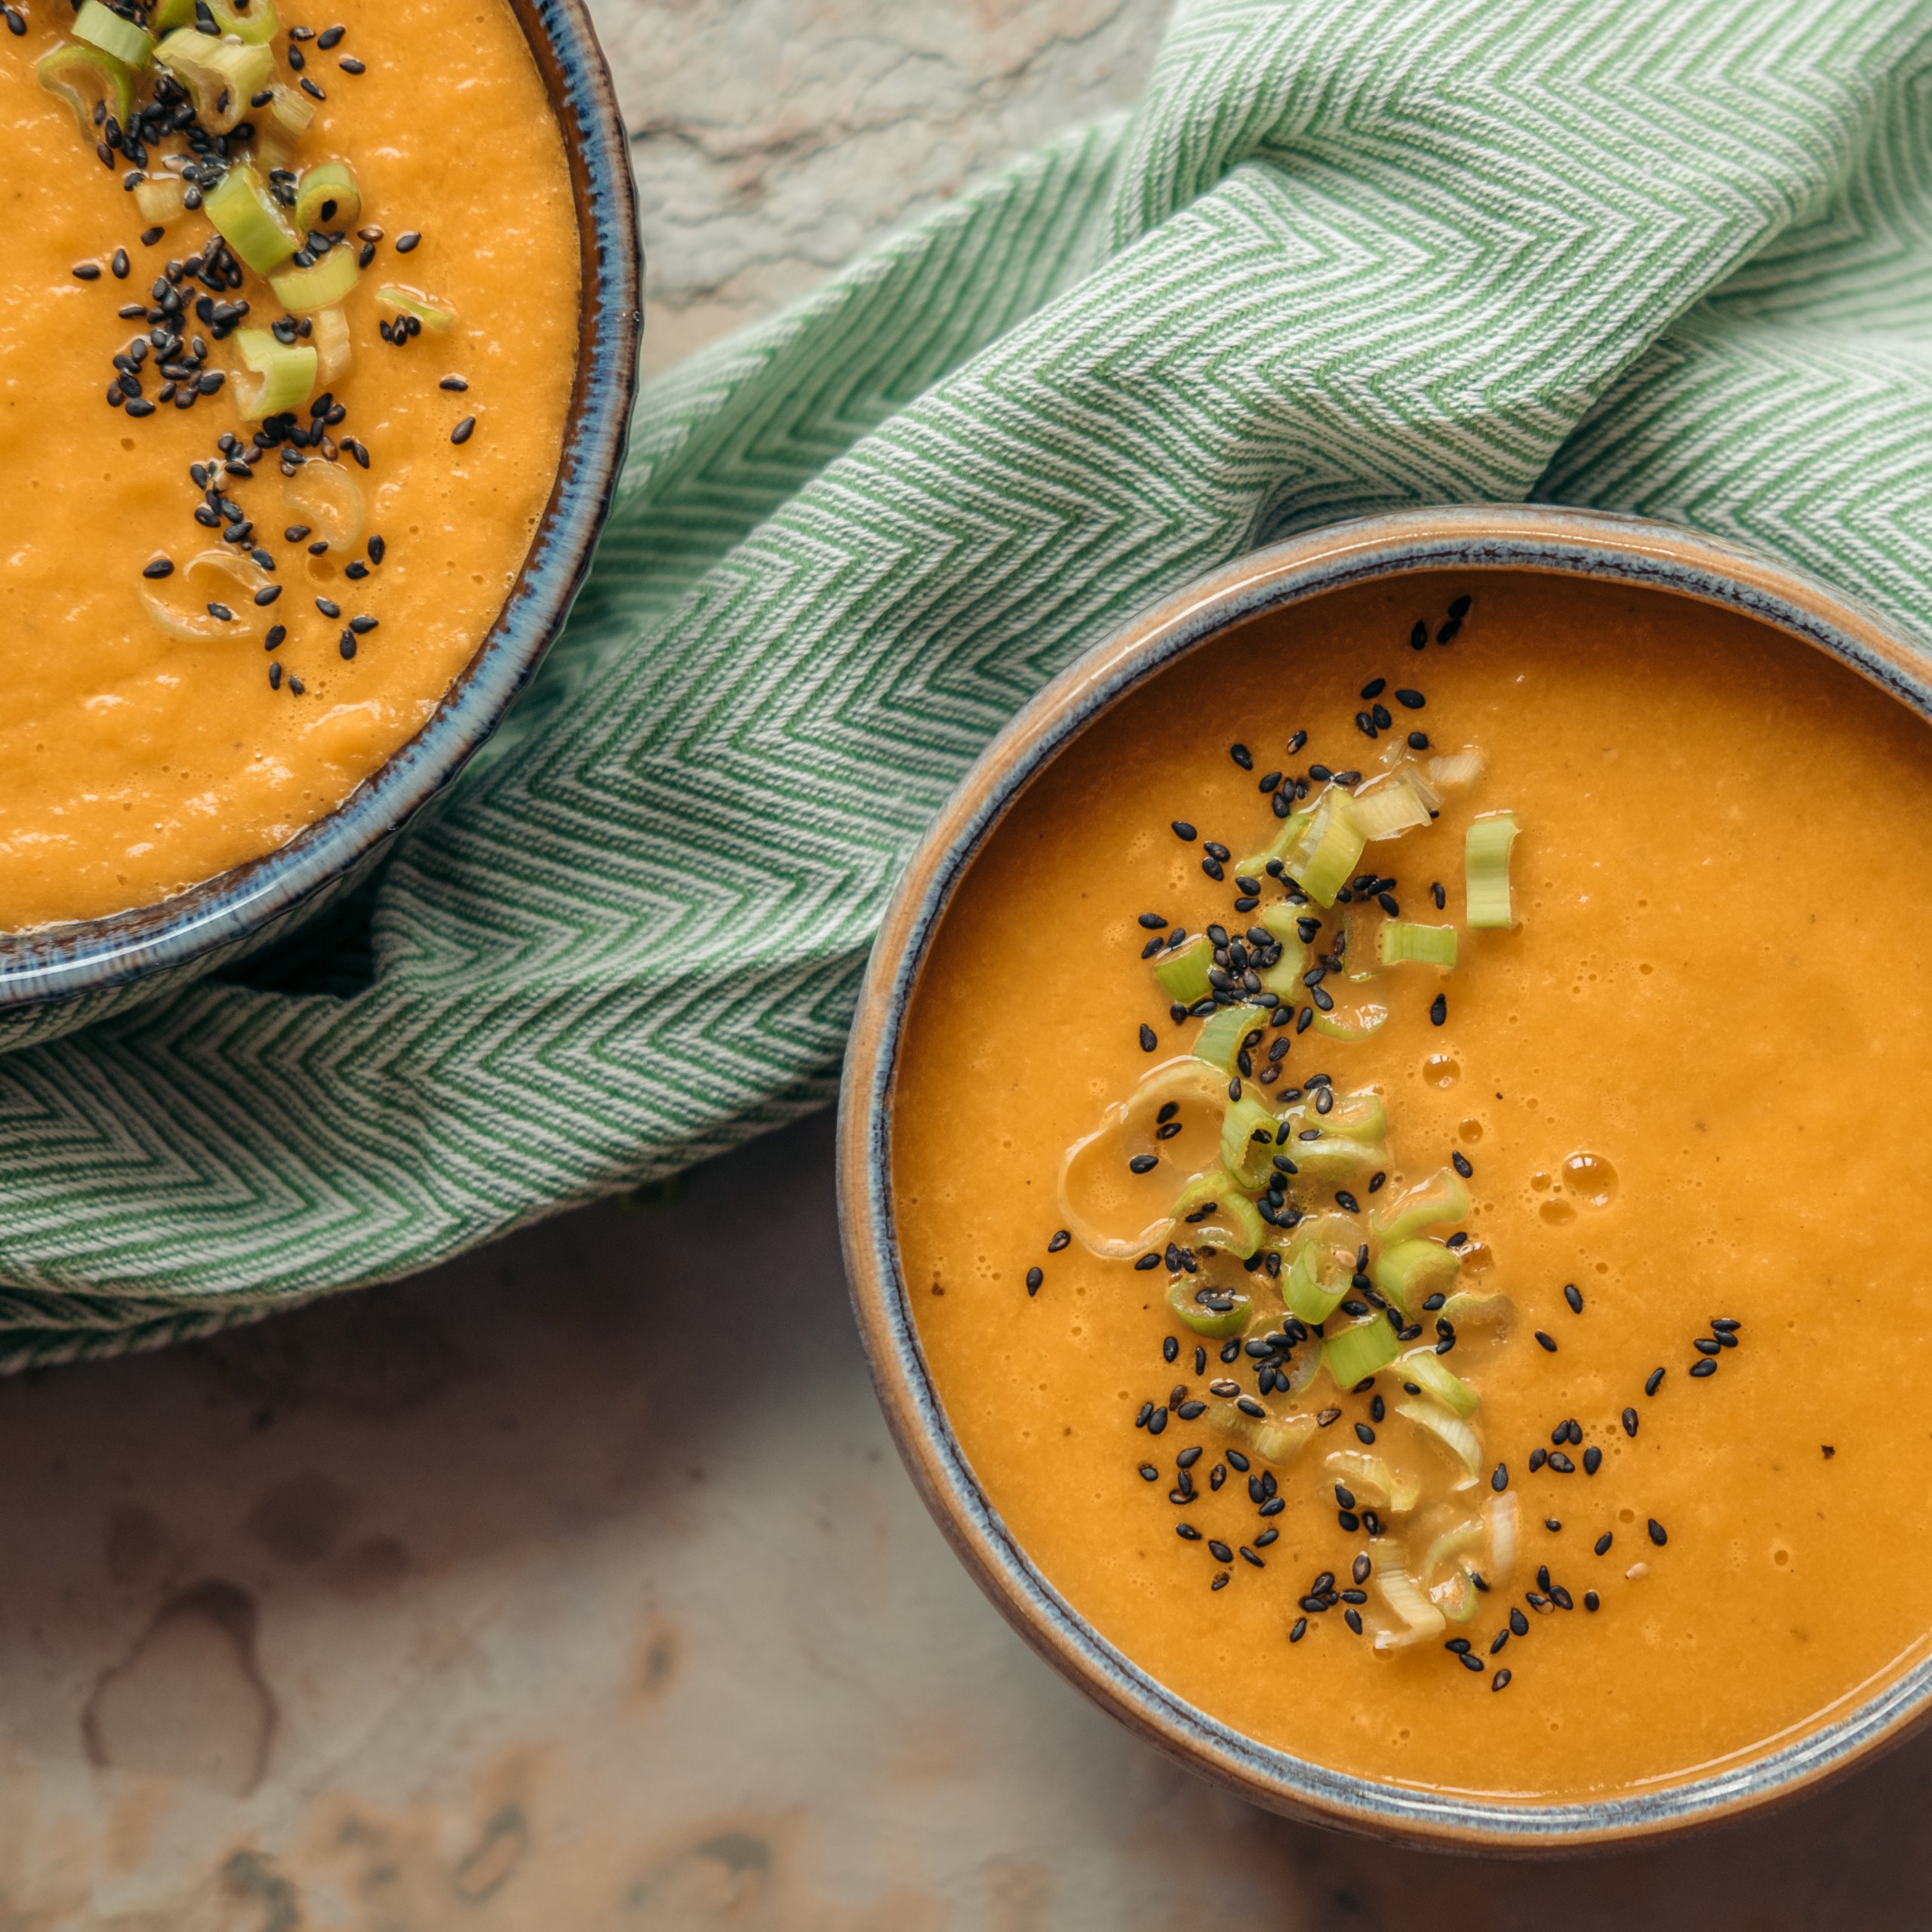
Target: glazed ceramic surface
[(1575, 543), (228, 914)]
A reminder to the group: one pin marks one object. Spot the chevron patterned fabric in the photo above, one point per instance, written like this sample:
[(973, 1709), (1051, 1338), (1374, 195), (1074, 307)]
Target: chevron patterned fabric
[(1667, 256)]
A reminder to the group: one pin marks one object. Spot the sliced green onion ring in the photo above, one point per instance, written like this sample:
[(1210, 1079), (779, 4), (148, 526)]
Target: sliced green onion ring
[(329, 337), (1358, 1352), (82, 76), (162, 199), (324, 285), (1432, 1203), (1501, 1521), (1386, 807), (247, 219), (430, 313), (287, 370), (1486, 869), (1368, 1019), (1328, 849), (1376, 1483), (1451, 1432), (1418, 1620), (1183, 970), (1454, 769), (1427, 1370), (329, 500), (242, 578), (328, 197), (101, 27), (1409, 1271), (1231, 1221), (1323, 1166), (1275, 1439), (292, 109), (1222, 1031), (1247, 1140), (1206, 1307), (222, 75), (1315, 1282), (1352, 1117), (1402, 941)]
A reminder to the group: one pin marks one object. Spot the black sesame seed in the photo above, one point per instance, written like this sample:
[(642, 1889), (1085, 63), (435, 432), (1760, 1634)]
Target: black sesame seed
[(1591, 1600), (328, 606), (1146, 1261), (1458, 1161), (1034, 1278), (1439, 1010), (1060, 1238), (158, 566), (1187, 1532), (1603, 1543), (406, 244), (276, 633), (1544, 1343), (87, 271), (1364, 1433), (1537, 1459), (268, 593), (119, 265), (1298, 1630), (1499, 1480), (1659, 1535), (1410, 700), (1592, 1459), (275, 675), (1519, 1624), (1561, 1463), (1447, 634), (222, 613), (1699, 1369), (1242, 756), (1651, 1383), (457, 386)]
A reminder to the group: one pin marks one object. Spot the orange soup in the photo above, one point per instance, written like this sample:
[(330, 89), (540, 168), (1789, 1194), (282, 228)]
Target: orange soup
[(1406, 1155), (288, 335)]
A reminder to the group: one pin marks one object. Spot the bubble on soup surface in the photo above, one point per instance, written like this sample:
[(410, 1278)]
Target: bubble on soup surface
[(1591, 1178)]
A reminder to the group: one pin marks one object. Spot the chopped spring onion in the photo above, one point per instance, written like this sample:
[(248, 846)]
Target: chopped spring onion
[(1403, 941), (1356, 965), (327, 497), (1453, 1433), (1467, 1309), (1247, 1140), (241, 578), (1368, 1018), (1486, 869), (1325, 1165), (101, 27), (1456, 769), (1353, 1117), (1315, 1282), (1427, 1370), (254, 22), (1208, 1308), (432, 314), (1419, 1618), (223, 76), (1441, 1198), (1409, 1271), (322, 285), (1501, 1519), (171, 14), (1283, 842), (84, 77), (1232, 1223), (329, 334), (1328, 849), (1374, 1481), (1359, 1350), (292, 109), (1222, 1031), (162, 199), (1182, 972), (1455, 1597), (247, 219), (287, 370), (1386, 807), (1275, 1439), (328, 197)]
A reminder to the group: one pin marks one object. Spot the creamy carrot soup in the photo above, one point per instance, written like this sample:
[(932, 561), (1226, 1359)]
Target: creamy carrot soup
[(287, 343), (1407, 1156)]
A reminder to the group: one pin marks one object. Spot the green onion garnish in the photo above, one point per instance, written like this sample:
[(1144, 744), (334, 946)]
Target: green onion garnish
[(327, 497), (1426, 1368), (1419, 1618), (100, 27), (1353, 1116), (322, 285), (1386, 808), (84, 77), (432, 314), (1403, 941), (256, 24), (1450, 1432), (1368, 1018), (1486, 869), (287, 370), (1327, 852), (1247, 1140), (1375, 1481), (1316, 1281), (329, 197), (1359, 1350), (1231, 1221), (1275, 1439), (292, 109), (1223, 1031), (1409, 1271), (223, 76), (162, 199), (1208, 1308), (1433, 1203), (329, 336), (1183, 973), (246, 217)]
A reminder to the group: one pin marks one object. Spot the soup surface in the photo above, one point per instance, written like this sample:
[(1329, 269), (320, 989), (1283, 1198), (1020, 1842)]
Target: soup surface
[(134, 762), (1689, 1085)]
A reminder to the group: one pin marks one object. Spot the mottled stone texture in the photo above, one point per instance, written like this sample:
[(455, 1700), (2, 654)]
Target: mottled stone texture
[(775, 139)]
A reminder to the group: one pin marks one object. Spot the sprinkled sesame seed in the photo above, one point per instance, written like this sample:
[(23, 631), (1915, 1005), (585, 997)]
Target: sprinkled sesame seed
[(1651, 1382), (159, 566), (1060, 1238), (1439, 1010), (1543, 1341), (463, 430), (87, 271), (268, 593), (406, 243)]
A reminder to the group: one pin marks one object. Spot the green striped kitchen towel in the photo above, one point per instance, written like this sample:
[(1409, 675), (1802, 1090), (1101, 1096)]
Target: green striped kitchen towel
[(1670, 256)]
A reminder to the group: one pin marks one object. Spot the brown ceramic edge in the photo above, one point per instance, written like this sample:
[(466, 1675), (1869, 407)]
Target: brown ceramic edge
[(1562, 541)]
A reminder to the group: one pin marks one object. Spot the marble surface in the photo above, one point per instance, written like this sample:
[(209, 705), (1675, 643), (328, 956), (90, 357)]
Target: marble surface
[(532, 1594)]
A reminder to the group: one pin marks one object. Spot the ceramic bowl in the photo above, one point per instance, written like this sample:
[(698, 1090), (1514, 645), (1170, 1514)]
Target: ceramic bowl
[(1569, 542), (240, 908)]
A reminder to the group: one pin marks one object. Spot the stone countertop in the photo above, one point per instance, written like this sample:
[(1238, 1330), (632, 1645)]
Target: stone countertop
[(524, 1595)]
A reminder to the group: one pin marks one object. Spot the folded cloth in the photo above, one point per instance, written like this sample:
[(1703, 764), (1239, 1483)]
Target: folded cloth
[(1667, 256)]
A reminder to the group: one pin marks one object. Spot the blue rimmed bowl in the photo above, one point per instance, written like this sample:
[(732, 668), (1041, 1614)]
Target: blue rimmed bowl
[(55, 978), (1580, 543)]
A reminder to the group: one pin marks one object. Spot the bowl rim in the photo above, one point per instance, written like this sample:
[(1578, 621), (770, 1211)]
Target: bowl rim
[(1606, 546), (61, 962)]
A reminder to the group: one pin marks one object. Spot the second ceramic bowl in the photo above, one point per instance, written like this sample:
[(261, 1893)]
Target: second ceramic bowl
[(1572, 543)]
